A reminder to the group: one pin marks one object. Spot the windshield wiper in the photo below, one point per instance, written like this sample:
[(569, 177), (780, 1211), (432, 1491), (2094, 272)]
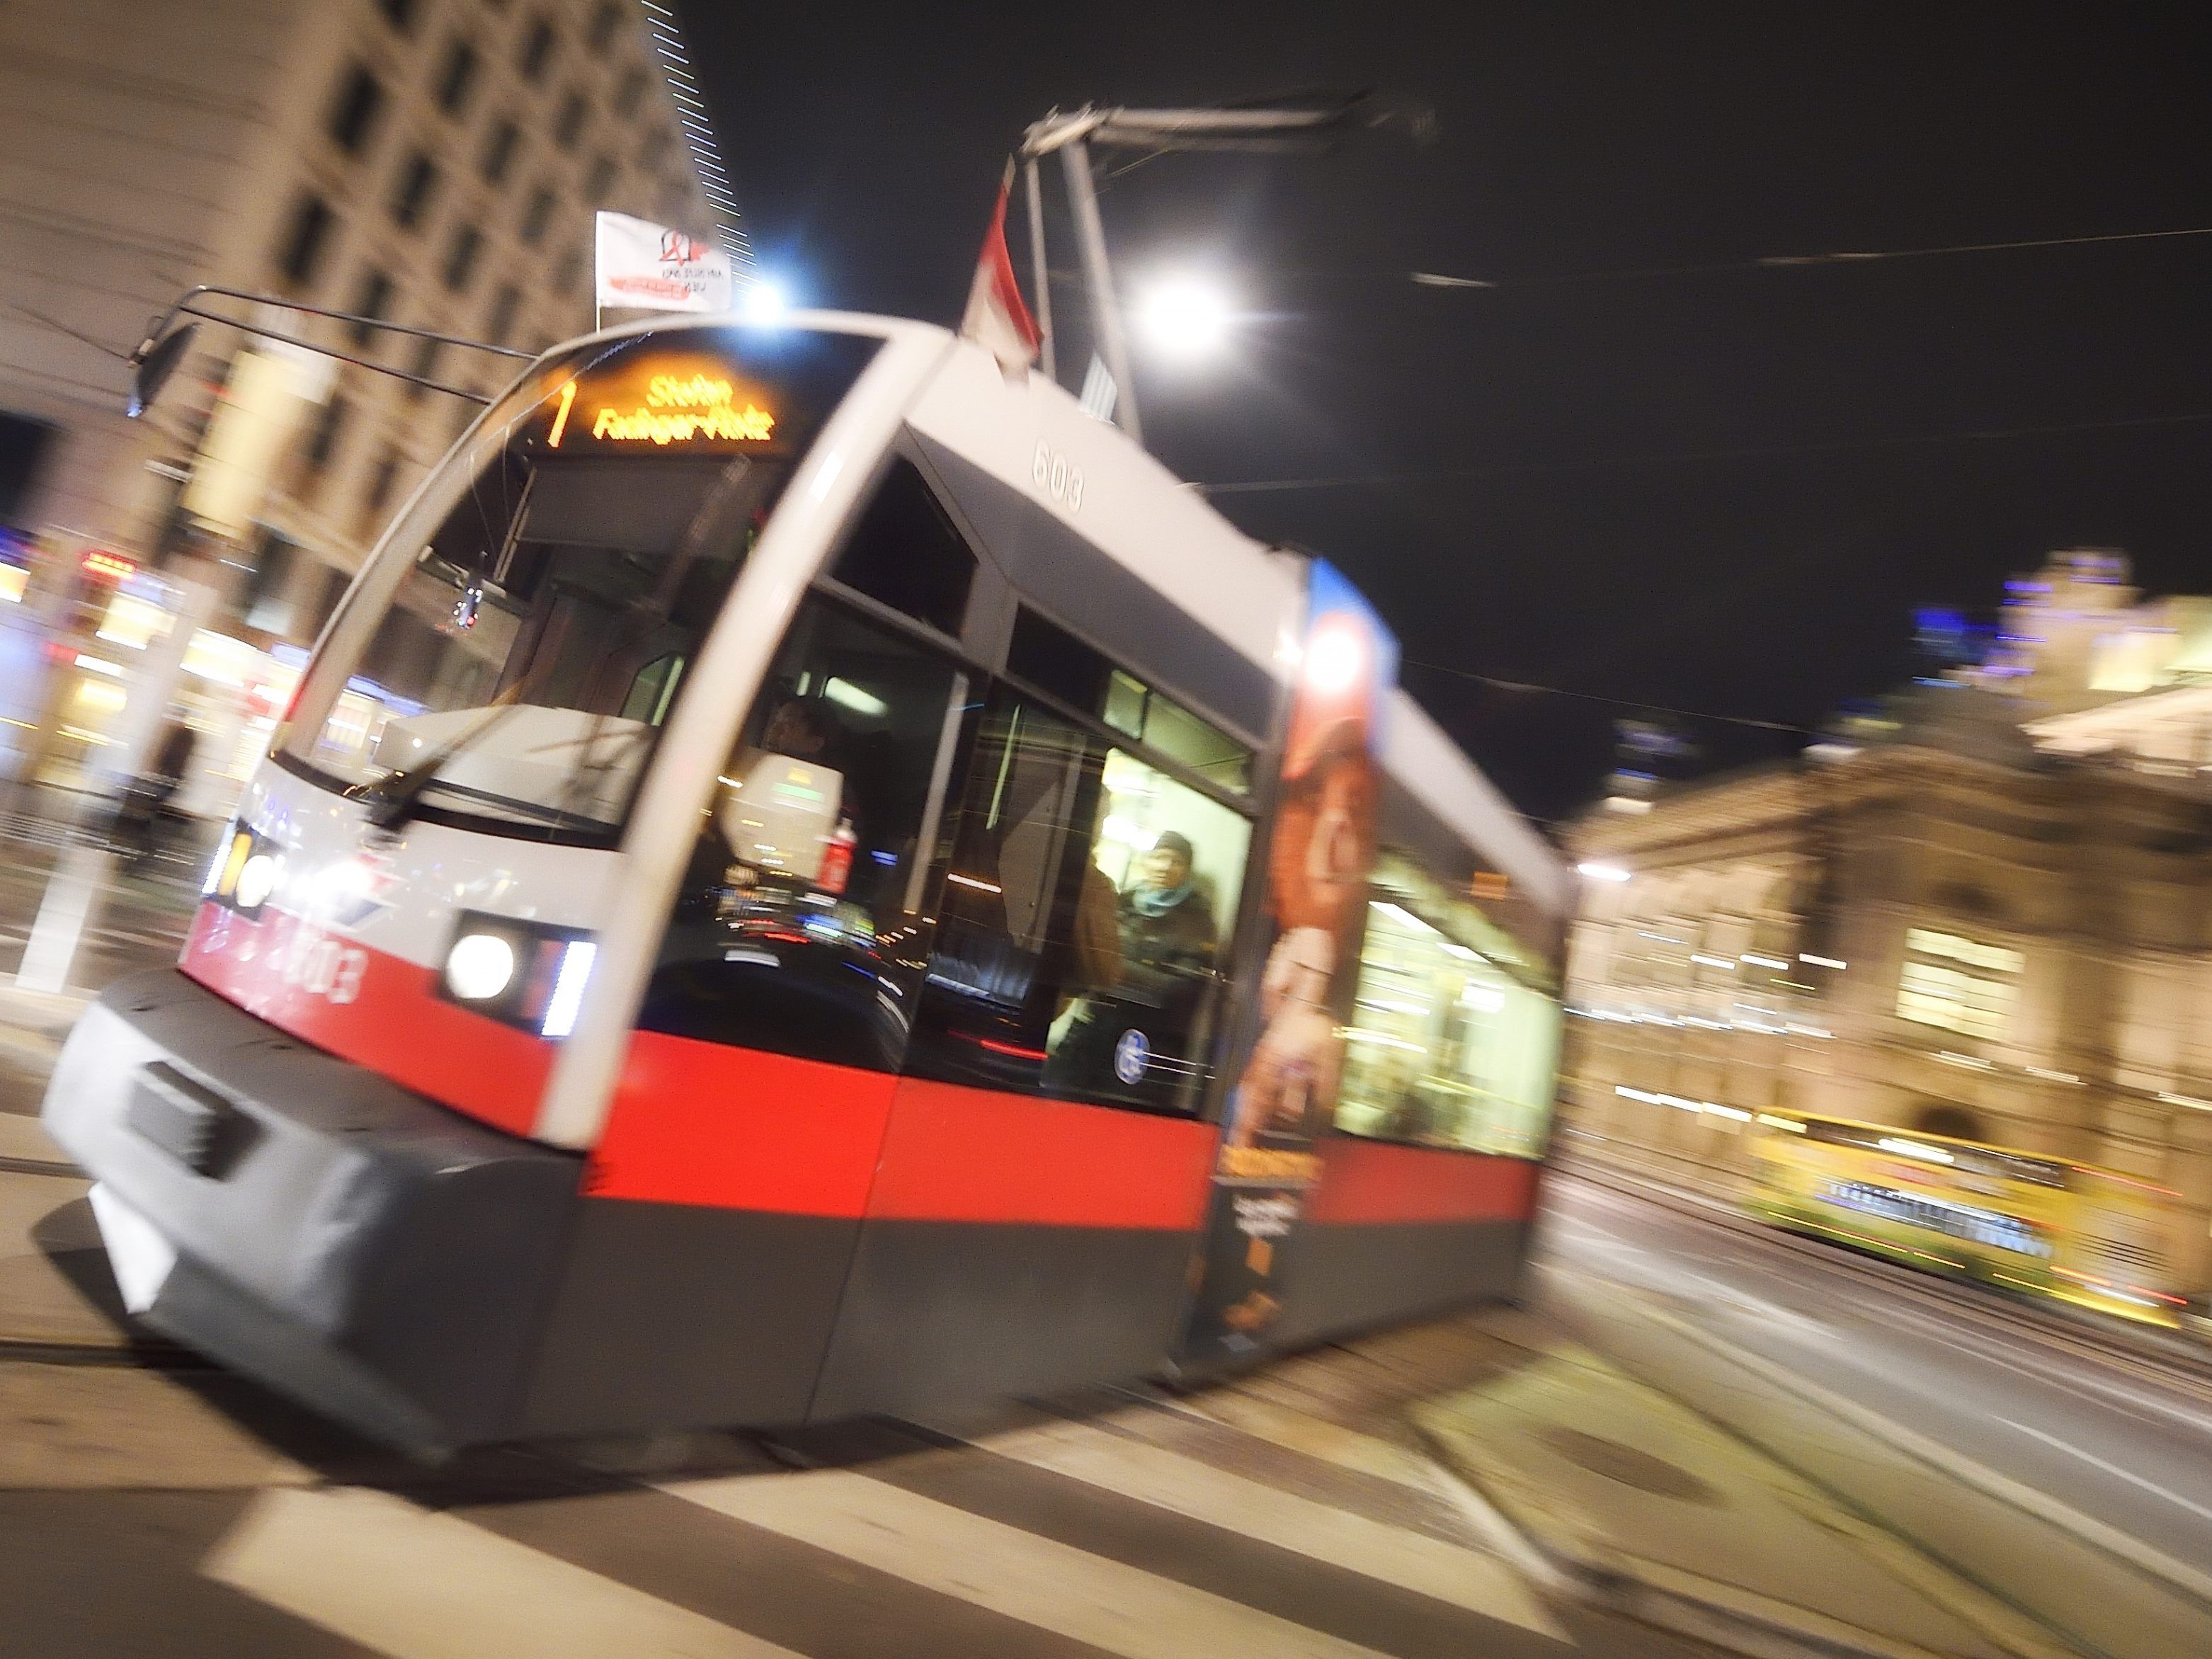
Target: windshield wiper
[(391, 798)]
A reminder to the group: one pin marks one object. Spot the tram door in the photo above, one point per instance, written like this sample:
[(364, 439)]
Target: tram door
[(729, 1184)]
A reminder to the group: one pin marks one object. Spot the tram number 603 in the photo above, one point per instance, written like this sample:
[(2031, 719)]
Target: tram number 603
[(322, 967), (1051, 472)]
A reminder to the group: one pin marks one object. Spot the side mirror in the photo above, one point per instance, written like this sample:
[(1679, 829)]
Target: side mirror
[(152, 365)]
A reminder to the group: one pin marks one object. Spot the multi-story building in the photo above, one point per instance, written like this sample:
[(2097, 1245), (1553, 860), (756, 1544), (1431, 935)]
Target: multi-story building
[(1962, 917), (431, 162)]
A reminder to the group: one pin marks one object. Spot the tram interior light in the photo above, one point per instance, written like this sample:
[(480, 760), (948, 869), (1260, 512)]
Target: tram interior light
[(1602, 873)]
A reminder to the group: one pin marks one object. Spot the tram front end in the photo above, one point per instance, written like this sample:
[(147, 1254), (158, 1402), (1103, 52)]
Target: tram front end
[(338, 1147)]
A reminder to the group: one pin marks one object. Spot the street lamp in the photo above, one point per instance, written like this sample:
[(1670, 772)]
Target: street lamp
[(1185, 317), (765, 302)]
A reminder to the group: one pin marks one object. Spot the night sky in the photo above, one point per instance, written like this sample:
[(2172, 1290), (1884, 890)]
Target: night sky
[(1599, 526)]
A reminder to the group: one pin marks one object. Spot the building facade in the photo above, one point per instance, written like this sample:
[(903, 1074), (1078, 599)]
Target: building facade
[(430, 162), (1963, 917)]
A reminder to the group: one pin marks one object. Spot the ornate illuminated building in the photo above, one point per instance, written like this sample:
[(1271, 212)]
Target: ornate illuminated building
[(1987, 913), (430, 162)]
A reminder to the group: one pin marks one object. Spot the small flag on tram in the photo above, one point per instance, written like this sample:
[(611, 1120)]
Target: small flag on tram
[(996, 318), (648, 267)]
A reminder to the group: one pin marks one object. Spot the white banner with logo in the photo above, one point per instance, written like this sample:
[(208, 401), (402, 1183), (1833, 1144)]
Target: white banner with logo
[(649, 267)]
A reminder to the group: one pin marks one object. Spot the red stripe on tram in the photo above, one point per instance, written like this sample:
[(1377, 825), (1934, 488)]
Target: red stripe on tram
[(974, 1155), (365, 1005), (703, 1123), (1373, 1182)]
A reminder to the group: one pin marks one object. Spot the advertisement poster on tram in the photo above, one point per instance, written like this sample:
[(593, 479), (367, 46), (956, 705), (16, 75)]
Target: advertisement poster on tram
[(1322, 849)]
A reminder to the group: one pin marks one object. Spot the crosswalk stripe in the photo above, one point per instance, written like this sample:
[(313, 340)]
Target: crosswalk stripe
[(415, 1584), (1088, 1598), (1332, 1443), (1391, 1555)]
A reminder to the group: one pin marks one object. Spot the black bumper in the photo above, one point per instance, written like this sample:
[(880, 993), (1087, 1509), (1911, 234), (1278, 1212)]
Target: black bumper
[(375, 1256)]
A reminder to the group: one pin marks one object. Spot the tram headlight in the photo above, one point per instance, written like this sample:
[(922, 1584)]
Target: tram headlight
[(479, 967), (523, 973), (245, 871)]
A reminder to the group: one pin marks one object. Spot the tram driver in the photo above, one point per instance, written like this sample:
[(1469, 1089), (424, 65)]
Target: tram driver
[(1153, 975)]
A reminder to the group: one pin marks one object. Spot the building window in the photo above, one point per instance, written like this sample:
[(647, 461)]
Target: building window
[(400, 14), (353, 112), (537, 51), (651, 148), (1447, 1045), (498, 151), (604, 22), (412, 192), (536, 216), (457, 76), (596, 183), (1957, 984), (566, 273), (423, 366), (370, 301), (380, 480), (501, 321), (323, 436), (461, 257), (307, 237), (629, 92), (569, 126)]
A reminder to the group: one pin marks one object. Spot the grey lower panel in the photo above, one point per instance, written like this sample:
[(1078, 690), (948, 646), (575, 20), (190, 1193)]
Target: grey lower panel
[(676, 1315), (367, 1251), (942, 1312), (1341, 1279)]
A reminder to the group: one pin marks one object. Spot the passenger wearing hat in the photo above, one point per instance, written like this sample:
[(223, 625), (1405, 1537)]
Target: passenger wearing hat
[(1166, 922)]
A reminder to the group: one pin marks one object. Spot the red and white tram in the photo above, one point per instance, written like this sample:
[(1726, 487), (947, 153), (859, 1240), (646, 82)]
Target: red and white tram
[(808, 877)]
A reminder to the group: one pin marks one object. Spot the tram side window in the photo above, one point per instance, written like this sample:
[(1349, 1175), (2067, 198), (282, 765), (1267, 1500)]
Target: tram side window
[(1446, 1048), (794, 928), (1085, 922), (906, 552)]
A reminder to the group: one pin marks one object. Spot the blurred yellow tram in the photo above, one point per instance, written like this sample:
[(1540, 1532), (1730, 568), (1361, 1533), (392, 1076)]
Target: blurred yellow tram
[(2025, 1223)]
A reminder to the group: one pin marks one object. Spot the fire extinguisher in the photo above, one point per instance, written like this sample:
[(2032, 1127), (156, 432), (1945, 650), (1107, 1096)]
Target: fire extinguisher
[(837, 859)]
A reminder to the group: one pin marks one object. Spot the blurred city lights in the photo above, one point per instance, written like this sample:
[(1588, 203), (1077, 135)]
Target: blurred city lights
[(1602, 873), (1185, 317)]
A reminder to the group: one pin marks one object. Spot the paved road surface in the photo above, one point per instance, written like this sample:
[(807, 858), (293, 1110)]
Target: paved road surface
[(1145, 1528), (2104, 1437)]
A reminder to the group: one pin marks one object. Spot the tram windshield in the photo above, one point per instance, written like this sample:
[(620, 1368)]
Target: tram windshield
[(528, 630)]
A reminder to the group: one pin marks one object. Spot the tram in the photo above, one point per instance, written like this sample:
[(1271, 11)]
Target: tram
[(808, 877), (2015, 1221)]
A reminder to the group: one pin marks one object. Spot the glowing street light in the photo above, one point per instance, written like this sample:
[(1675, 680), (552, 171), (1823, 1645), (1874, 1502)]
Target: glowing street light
[(1185, 317), (764, 302)]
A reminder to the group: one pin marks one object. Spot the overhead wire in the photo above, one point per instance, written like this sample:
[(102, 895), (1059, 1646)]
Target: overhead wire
[(1665, 457), (1534, 687)]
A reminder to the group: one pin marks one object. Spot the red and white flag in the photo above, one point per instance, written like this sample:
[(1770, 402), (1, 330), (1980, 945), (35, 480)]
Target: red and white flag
[(996, 318), (643, 266)]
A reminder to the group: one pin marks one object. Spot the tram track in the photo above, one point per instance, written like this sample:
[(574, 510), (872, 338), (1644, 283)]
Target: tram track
[(2115, 1347)]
